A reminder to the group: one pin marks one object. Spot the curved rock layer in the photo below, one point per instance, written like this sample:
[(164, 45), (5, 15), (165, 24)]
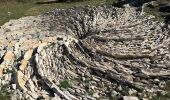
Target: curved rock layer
[(96, 52)]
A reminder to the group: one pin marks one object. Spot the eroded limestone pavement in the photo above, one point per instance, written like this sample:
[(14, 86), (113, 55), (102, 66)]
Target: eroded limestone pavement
[(102, 52)]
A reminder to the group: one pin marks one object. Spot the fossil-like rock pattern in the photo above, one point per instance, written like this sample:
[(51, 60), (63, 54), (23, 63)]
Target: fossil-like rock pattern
[(101, 51)]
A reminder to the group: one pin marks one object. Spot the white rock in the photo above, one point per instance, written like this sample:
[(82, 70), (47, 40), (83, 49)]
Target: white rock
[(96, 95), (70, 95), (9, 56), (28, 54), (21, 80), (33, 94), (6, 77), (14, 86), (22, 40), (31, 84), (2, 31), (129, 98), (156, 80), (132, 91), (120, 88), (3, 82), (114, 93), (41, 46), (17, 45), (169, 26)]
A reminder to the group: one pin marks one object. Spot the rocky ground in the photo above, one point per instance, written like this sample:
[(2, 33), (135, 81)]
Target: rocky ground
[(85, 53)]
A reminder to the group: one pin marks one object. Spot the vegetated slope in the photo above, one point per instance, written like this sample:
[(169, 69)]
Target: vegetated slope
[(11, 9), (86, 53)]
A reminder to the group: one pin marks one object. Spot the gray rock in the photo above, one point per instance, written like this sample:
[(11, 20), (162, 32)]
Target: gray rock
[(96, 95), (114, 93)]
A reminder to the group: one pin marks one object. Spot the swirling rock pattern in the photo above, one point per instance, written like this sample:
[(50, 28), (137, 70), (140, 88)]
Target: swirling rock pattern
[(102, 51)]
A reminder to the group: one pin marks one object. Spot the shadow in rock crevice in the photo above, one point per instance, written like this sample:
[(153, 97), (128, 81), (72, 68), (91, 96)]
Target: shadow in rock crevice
[(134, 3), (167, 19)]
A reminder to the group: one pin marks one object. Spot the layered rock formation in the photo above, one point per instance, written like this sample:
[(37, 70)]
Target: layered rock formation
[(96, 52)]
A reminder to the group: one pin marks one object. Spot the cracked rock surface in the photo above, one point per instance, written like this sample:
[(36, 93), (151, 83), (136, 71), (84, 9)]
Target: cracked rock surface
[(85, 53)]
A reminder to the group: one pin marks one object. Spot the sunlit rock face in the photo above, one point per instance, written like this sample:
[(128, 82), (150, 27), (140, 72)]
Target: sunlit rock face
[(87, 53)]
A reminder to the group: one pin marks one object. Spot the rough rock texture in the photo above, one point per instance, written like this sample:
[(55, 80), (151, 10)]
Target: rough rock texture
[(97, 52)]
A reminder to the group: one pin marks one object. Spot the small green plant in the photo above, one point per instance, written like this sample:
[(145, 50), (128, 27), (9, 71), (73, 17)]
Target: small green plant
[(5, 94), (88, 92), (125, 90), (166, 96), (65, 84), (113, 98), (109, 2), (167, 88)]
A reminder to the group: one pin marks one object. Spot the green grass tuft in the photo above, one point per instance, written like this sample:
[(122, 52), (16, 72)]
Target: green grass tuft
[(4, 93), (65, 84)]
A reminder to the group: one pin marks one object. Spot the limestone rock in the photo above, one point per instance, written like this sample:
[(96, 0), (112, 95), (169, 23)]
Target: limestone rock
[(21, 80), (1, 70), (96, 95), (40, 47), (9, 56), (23, 64), (28, 54), (14, 86), (130, 98)]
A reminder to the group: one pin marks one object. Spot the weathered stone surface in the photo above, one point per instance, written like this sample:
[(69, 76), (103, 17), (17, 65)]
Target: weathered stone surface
[(14, 86), (21, 80), (130, 98), (9, 56), (86, 53), (28, 54), (41, 46), (1, 71), (23, 64)]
